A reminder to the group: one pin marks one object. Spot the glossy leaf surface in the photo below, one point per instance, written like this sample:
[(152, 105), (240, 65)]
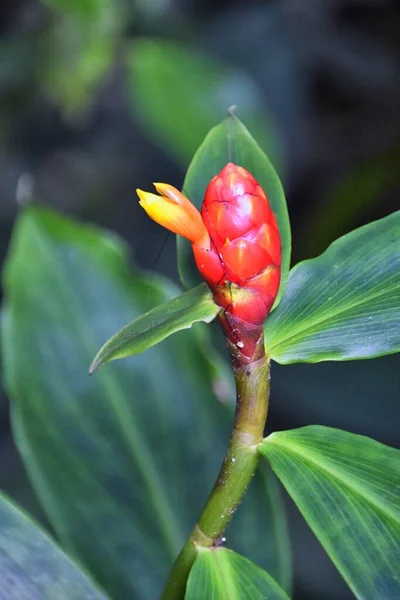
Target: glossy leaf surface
[(32, 567), (347, 489), (221, 574), (231, 142), (158, 324), (345, 304), (121, 460)]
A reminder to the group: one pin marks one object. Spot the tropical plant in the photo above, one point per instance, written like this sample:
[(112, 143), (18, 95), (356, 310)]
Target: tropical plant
[(120, 472)]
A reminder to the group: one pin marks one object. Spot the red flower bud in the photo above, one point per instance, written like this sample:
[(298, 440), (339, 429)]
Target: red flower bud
[(235, 240), (242, 265)]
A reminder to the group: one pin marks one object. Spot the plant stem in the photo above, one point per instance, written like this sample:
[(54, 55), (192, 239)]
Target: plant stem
[(252, 396)]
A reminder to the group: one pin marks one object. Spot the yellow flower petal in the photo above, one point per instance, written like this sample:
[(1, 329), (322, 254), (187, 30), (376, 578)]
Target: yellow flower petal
[(146, 199), (171, 192), (182, 220)]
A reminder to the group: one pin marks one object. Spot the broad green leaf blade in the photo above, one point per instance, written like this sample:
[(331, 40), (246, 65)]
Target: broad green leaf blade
[(178, 94), (158, 324), (347, 489), (121, 460), (32, 567), (221, 574), (231, 142), (345, 304)]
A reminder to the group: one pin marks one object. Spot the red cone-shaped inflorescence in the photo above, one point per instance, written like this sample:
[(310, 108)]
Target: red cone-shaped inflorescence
[(235, 240), (242, 264)]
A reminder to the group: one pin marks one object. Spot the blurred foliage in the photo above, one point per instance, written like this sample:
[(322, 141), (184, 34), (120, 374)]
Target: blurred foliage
[(131, 444), (179, 94), (78, 49), (340, 394), (353, 196), (32, 566), (323, 77)]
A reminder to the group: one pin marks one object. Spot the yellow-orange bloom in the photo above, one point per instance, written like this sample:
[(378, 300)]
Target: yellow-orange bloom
[(175, 212), (235, 239)]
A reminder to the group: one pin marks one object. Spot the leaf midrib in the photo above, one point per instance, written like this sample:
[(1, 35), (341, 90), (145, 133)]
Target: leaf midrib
[(168, 525), (326, 317), (332, 471), (225, 569)]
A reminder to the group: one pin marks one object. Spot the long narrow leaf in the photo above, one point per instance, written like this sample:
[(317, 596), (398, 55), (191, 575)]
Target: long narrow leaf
[(121, 460), (347, 488), (345, 304), (157, 324), (32, 567)]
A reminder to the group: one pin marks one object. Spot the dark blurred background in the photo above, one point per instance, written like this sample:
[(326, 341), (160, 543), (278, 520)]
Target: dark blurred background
[(98, 97)]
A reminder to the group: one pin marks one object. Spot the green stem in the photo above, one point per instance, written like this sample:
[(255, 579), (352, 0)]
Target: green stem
[(252, 389)]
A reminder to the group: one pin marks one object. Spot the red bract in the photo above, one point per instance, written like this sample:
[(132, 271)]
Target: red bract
[(235, 239), (242, 265)]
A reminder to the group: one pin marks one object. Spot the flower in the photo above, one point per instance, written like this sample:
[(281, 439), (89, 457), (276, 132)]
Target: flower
[(235, 239)]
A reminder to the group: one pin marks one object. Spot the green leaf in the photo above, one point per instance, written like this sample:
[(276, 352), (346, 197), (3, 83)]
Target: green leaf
[(89, 8), (32, 566), (179, 93), (78, 49), (247, 521), (344, 304), (158, 324), (347, 489), (220, 574), (122, 461), (231, 142)]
